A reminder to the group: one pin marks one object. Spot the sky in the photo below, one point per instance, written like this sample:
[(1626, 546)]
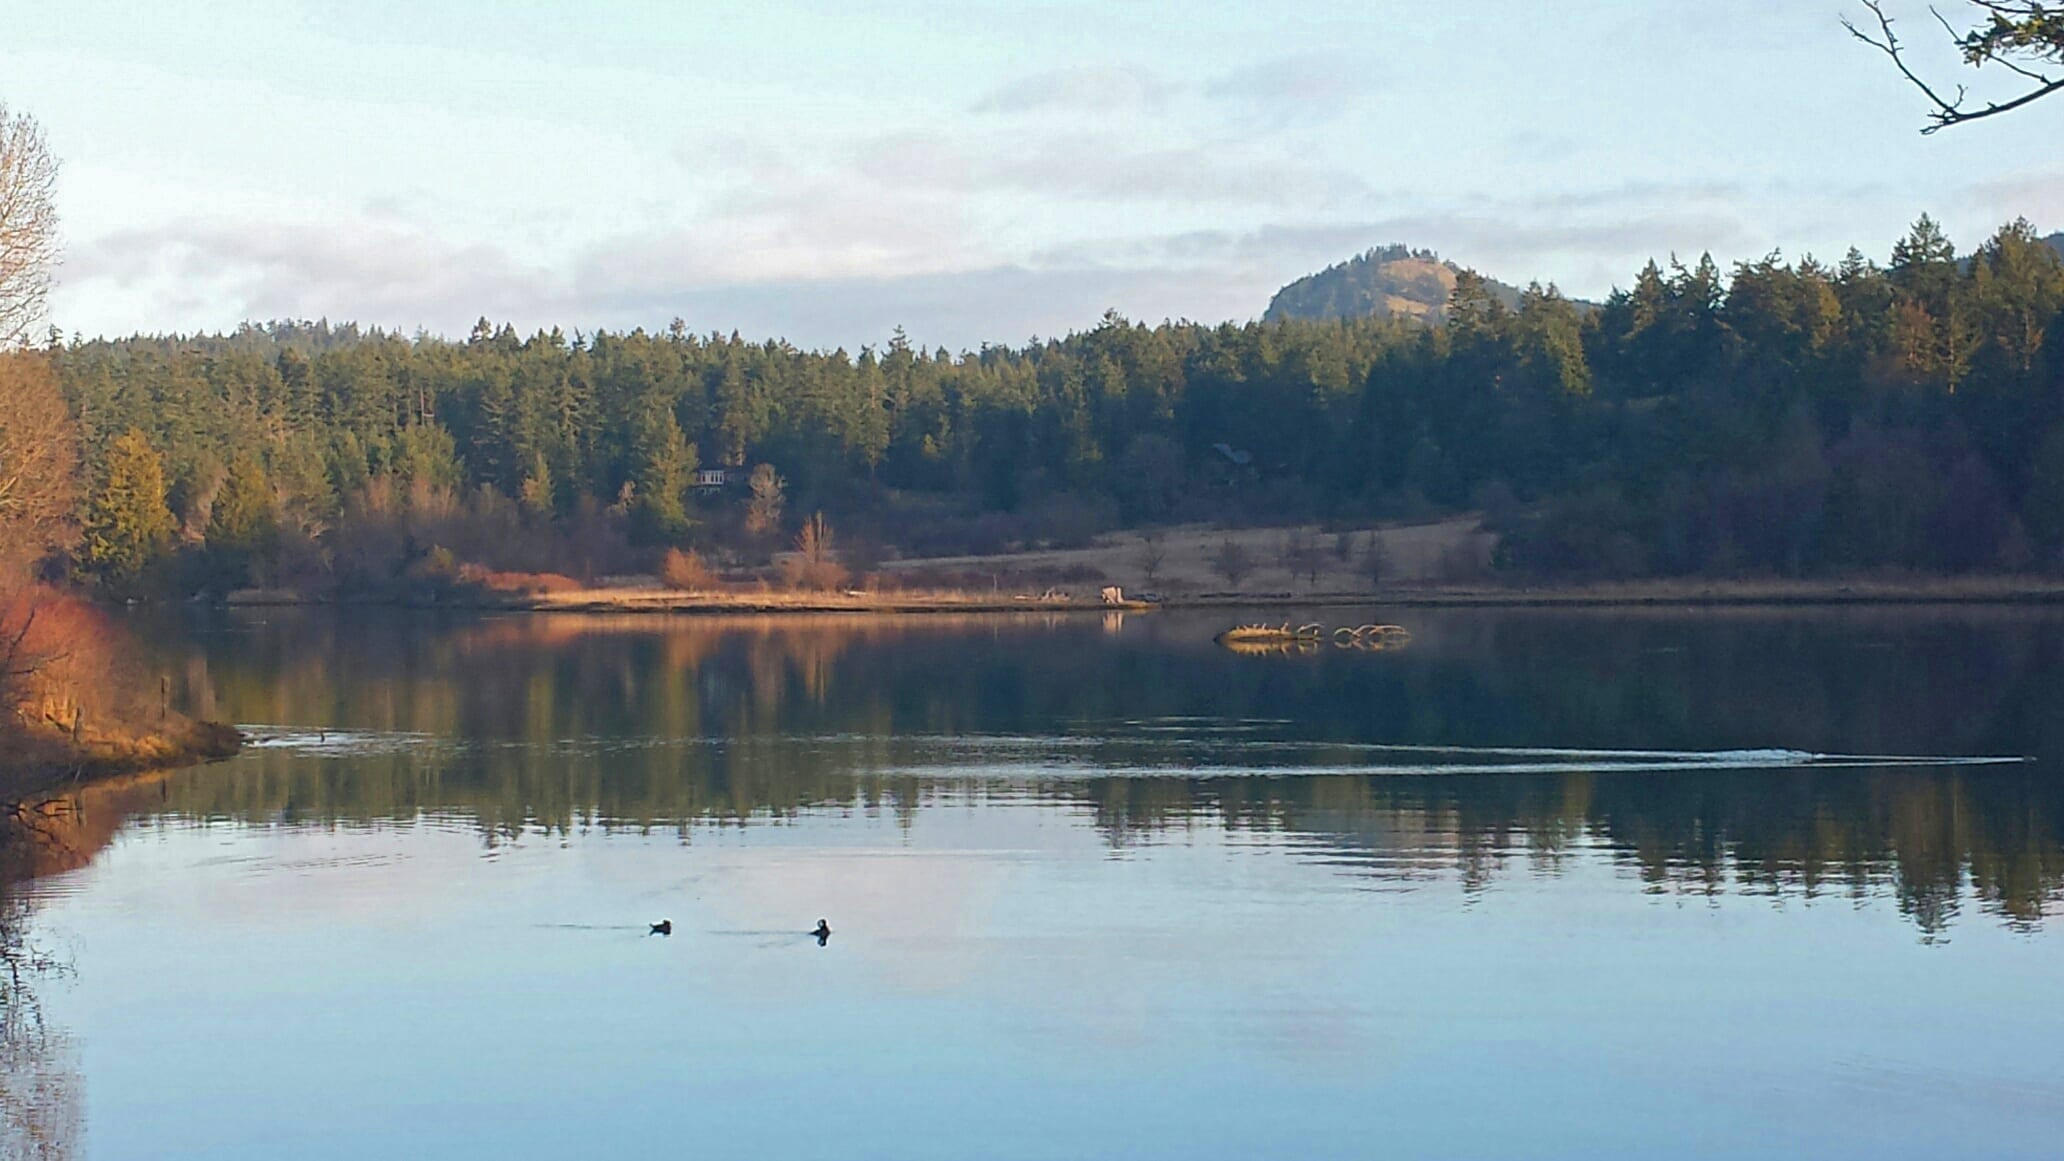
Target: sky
[(974, 171)]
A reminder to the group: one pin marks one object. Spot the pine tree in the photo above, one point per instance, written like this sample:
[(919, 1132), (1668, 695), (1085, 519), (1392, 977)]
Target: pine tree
[(538, 500), (301, 481), (665, 466), (128, 525), (243, 527), (243, 513)]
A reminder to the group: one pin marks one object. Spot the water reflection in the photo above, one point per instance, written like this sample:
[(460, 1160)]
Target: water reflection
[(40, 1084), (1683, 747), (39, 1073)]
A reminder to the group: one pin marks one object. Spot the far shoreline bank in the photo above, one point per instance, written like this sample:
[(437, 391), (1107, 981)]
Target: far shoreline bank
[(1622, 594)]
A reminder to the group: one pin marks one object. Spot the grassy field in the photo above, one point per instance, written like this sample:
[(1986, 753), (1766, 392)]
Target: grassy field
[(1438, 563), (653, 598), (1416, 555)]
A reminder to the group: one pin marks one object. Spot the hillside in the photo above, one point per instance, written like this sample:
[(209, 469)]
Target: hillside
[(1687, 436), (1387, 282)]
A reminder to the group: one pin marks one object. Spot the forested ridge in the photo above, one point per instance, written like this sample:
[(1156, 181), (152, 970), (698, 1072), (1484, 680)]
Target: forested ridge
[(1377, 283), (1784, 417)]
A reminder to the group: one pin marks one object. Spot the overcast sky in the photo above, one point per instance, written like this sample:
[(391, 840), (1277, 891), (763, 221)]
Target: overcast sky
[(974, 171)]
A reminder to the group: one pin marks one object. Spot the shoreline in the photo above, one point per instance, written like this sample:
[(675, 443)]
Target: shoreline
[(1626, 594), (56, 766)]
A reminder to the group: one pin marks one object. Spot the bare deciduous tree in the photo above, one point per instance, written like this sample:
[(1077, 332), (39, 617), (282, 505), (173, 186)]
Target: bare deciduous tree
[(1232, 561), (1376, 561), (38, 459), (763, 513), (1298, 553), (28, 225), (1153, 553), (815, 564)]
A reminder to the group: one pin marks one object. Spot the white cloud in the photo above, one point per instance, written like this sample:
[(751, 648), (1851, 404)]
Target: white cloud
[(1101, 167), (1083, 89), (820, 267), (1305, 87), (262, 270), (2037, 195)]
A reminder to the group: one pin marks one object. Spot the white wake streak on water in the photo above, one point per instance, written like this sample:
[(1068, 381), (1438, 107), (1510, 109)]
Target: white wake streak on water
[(1020, 756), (1715, 764)]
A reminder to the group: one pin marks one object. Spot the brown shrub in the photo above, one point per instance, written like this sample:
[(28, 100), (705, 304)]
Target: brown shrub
[(518, 582), (687, 571), (800, 572), (815, 565)]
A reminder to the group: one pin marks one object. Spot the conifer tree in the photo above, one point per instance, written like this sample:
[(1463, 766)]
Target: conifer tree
[(665, 468), (538, 500), (127, 524), (242, 516)]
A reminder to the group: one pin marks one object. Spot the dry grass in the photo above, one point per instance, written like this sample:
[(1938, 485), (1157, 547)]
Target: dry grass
[(650, 598), (1880, 589), (1416, 555), (517, 582), (1446, 552), (1440, 563)]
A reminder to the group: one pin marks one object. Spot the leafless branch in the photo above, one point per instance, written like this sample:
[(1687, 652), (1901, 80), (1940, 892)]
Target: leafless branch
[(1978, 49)]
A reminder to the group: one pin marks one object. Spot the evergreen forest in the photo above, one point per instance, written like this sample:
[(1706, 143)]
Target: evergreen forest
[(1781, 418)]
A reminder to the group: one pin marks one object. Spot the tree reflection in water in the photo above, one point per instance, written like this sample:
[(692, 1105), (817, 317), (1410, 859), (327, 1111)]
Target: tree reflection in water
[(40, 1083), (562, 723)]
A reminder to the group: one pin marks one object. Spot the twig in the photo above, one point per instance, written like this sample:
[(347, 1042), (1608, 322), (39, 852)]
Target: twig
[(1976, 51)]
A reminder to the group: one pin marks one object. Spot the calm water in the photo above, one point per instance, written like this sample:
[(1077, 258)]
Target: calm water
[(1542, 884)]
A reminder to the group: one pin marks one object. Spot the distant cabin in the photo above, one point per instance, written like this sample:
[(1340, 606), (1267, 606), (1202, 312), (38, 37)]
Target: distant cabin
[(716, 477)]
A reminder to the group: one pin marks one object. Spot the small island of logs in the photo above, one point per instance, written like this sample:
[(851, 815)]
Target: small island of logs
[(1305, 638)]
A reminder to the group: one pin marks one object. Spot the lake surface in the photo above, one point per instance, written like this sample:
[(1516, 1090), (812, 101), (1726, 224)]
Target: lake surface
[(1541, 884)]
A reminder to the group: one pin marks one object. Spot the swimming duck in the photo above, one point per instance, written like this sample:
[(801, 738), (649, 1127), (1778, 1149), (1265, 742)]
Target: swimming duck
[(823, 931), (663, 927)]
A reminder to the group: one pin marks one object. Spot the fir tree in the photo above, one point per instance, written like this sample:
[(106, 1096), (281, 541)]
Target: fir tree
[(127, 523)]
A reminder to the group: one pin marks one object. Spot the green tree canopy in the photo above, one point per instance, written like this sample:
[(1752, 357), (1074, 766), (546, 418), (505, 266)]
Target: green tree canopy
[(127, 523)]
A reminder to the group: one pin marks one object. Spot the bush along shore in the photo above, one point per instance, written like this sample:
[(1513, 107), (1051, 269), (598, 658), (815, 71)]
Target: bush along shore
[(76, 706), (42, 763)]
